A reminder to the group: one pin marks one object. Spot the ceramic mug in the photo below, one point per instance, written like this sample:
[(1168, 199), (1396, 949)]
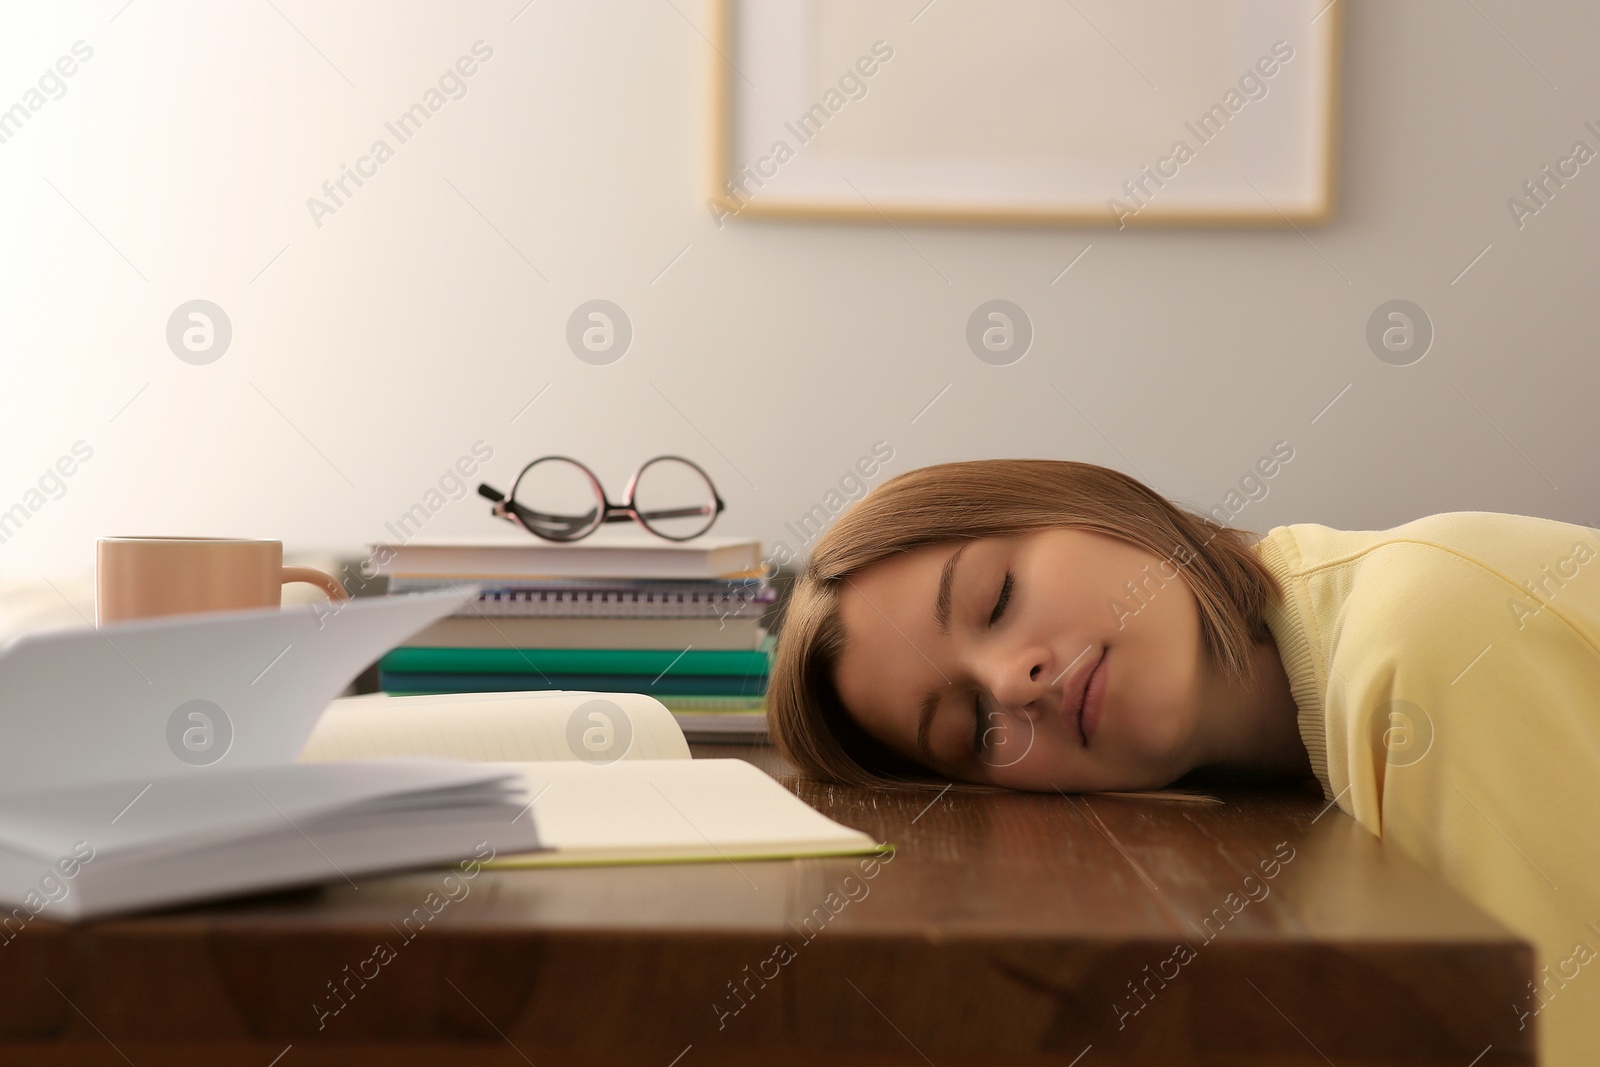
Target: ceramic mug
[(140, 577)]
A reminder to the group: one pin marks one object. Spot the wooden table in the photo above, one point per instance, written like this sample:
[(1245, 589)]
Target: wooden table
[(1007, 928)]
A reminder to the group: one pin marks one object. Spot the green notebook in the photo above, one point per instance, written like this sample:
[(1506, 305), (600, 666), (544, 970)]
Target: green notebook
[(745, 663)]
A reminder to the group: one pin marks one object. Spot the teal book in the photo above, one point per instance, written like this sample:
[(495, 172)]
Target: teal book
[(666, 685), (747, 663)]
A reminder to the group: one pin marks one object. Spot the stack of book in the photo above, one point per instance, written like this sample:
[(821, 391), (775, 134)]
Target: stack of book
[(678, 622)]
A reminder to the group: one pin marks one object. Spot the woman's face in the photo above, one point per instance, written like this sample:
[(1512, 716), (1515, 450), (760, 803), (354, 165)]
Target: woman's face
[(972, 657)]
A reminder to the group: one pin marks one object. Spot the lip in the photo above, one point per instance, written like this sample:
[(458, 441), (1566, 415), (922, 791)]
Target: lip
[(1076, 697), (1094, 699)]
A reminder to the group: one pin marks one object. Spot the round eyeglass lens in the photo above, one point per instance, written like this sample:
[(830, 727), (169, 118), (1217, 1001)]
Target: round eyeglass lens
[(674, 499), (558, 499)]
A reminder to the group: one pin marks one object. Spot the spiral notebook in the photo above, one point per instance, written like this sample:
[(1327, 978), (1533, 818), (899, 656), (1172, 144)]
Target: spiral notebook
[(608, 598)]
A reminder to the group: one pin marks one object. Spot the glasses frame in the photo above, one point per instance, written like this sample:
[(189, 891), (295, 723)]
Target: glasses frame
[(506, 507)]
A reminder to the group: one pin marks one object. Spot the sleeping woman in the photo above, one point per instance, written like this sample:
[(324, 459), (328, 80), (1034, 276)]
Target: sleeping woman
[(1051, 625)]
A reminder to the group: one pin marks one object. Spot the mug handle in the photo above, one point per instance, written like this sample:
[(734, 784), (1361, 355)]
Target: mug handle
[(326, 583)]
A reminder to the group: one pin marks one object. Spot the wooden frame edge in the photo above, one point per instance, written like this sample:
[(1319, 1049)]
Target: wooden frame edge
[(721, 156)]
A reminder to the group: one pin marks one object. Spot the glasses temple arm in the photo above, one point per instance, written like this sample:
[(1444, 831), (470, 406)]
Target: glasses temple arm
[(673, 513)]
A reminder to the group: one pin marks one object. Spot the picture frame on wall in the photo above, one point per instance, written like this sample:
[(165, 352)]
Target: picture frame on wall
[(1114, 112)]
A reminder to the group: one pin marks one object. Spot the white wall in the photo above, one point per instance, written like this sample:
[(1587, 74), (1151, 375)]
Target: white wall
[(374, 350)]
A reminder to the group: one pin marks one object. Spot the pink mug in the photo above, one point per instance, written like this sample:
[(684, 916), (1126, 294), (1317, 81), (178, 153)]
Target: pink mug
[(139, 577)]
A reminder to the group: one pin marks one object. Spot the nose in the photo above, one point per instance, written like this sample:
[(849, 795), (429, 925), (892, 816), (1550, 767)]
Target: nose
[(1017, 678)]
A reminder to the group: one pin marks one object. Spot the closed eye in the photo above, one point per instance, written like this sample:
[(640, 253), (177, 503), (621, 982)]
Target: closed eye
[(1002, 601), (978, 732)]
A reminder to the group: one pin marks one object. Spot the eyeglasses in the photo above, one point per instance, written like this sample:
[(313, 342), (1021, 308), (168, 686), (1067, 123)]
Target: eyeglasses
[(559, 499)]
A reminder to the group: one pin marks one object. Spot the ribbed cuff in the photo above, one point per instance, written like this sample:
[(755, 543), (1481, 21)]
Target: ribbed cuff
[(1291, 623)]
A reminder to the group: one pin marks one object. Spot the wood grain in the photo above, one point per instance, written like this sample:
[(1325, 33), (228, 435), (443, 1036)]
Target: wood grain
[(1005, 928)]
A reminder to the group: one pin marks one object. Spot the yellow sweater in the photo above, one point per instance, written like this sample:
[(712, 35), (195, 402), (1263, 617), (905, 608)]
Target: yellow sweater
[(1447, 675)]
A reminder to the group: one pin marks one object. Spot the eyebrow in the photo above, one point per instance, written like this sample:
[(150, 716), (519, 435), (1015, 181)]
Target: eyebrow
[(941, 603)]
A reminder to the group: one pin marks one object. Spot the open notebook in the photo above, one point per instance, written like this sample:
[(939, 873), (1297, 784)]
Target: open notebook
[(609, 773), (153, 762)]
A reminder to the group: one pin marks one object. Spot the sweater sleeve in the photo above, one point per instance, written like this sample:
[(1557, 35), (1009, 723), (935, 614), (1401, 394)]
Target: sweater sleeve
[(1458, 663)]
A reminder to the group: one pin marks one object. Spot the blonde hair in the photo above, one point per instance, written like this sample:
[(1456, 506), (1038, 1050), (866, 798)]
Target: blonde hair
[(952, 502)]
